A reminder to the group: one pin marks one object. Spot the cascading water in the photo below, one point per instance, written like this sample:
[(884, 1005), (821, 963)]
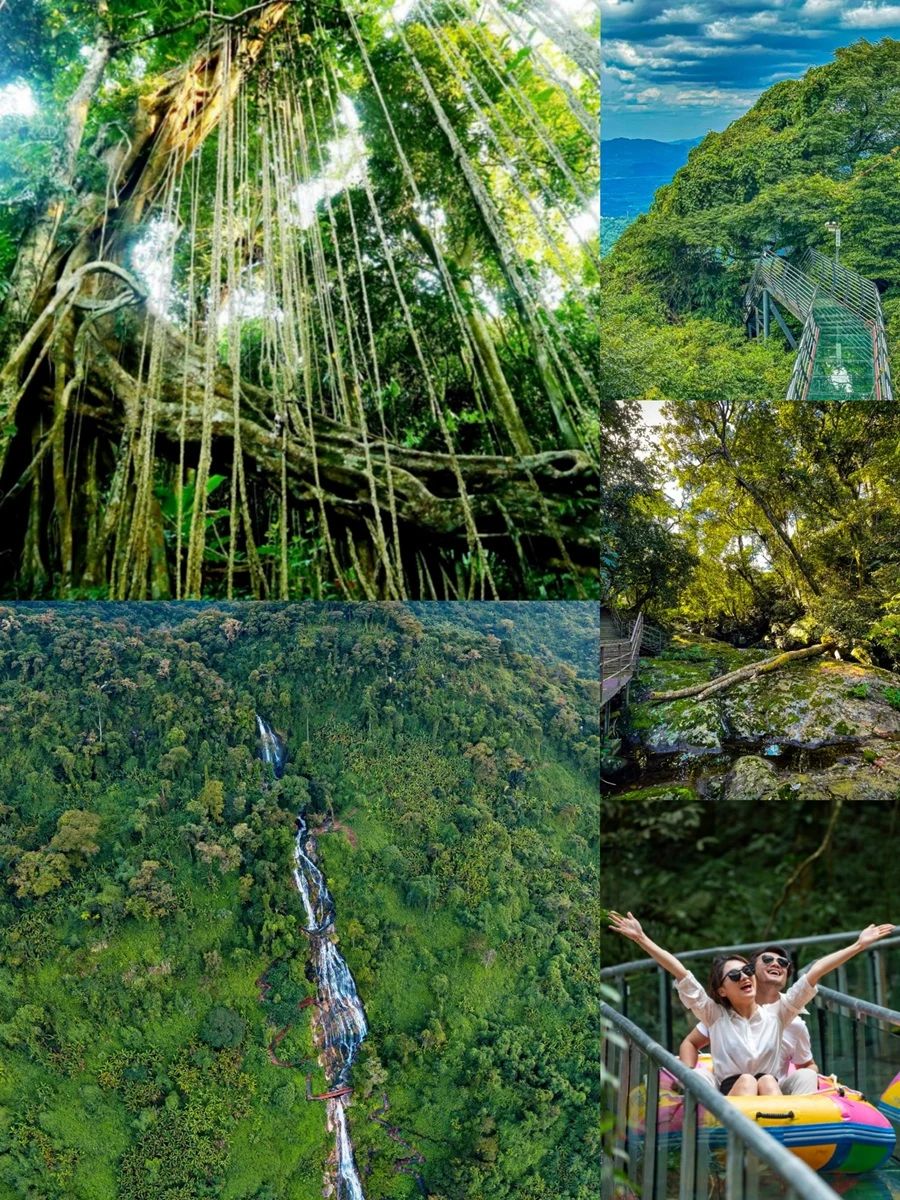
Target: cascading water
[(340, 1012), (272, 748), (317, 902)]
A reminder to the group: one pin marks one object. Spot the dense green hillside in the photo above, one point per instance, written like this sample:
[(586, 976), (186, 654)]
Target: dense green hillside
[(147, 853), (811, 150), (754, 513), (567, 631)]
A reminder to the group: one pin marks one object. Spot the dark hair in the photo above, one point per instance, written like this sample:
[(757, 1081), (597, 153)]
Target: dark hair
[(770, 950), (717, 975)]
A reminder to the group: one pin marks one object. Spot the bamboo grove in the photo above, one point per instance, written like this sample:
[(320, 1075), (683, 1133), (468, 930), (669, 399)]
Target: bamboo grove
[(311, 312)]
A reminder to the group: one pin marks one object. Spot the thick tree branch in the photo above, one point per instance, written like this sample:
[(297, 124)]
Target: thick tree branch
[(200, 16), (424, 484), (709, 687)]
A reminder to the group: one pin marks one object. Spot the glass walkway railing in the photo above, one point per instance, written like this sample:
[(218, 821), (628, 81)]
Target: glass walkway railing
[(655, 1145), (842, 351), (661, 1144)]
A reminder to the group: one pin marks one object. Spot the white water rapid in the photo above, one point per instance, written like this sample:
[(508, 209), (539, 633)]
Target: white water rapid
[(340, 1011)]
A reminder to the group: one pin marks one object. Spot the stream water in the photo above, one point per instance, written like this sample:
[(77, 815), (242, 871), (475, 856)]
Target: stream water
[(340, 1011), (705, 771)]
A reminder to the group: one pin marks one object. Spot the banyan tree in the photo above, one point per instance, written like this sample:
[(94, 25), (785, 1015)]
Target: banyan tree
[(298, 300)]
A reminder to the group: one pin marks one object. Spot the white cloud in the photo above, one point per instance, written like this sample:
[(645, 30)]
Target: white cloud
[(685, 15), (715, 98), (734, 29), (871, 16), (621, 51), (701, 49), (817, 10)]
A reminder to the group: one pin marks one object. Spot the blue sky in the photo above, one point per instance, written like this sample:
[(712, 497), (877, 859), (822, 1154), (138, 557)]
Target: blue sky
[(676, 69)]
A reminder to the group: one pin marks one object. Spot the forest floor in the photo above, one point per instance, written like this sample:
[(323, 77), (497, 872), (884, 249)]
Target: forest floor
[(819, 728)]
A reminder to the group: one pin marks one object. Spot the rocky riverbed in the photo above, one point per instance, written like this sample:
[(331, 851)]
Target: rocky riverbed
[(815, 729)]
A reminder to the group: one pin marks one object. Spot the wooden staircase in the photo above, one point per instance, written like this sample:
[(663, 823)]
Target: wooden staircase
[(621, 644)]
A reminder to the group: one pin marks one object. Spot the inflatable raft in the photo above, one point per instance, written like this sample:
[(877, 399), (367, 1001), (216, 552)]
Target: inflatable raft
[(833, 1129)]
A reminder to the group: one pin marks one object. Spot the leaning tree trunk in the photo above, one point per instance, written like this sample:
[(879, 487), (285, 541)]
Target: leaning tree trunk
[(174, 119)]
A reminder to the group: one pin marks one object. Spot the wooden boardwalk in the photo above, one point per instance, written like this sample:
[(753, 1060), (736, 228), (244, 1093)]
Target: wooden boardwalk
[(619, 651)]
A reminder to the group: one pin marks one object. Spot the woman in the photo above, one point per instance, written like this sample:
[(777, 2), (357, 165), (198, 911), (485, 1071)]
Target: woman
[(745, 1037)]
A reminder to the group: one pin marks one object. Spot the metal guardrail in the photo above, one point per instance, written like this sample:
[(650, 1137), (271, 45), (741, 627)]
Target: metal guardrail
[(853, 290), (842, 319), (621, 971), (617, 661), (638, 964), (747, 1143), (859, 1008), (856, 1040)]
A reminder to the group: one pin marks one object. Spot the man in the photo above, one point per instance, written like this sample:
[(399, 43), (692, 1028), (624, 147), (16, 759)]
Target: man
[(771, 967)]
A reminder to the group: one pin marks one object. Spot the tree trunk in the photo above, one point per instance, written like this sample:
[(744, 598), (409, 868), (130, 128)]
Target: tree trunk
[(709, 687), (778, 527), (424, 484)]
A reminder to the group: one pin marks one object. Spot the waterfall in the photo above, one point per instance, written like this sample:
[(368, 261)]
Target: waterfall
[(273, 749), (316, 899), (340, 1011), (349, 1187)]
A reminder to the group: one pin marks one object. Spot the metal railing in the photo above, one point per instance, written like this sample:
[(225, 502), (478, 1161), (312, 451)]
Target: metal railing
[(639, 1152), (853, 290), (874, 979), (856, 1040), (617, 661), (789, 285), (842, 320)]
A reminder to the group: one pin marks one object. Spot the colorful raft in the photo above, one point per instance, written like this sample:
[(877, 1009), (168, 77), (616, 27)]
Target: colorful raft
[(889, 1103), (834, 1129)]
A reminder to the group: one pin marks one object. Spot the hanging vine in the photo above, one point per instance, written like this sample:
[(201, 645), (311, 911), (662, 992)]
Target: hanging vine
[(342, 374)]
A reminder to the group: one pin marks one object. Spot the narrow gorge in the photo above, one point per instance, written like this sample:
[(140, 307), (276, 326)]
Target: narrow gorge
[(340, 1024)]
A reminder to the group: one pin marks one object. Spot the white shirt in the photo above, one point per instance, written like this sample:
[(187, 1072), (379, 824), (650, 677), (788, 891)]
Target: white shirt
[(796, 1047), (745, 1044)]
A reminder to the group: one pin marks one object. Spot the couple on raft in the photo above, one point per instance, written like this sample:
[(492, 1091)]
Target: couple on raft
[(750, 1041)]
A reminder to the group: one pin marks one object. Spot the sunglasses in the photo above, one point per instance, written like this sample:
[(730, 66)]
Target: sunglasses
[(735, 975), (776, 958)]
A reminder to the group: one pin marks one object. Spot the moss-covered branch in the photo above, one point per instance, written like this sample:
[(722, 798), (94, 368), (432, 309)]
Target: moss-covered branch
[(709, 687)]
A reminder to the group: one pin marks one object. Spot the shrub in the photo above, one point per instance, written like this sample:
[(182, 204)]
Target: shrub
[(222, 1028)]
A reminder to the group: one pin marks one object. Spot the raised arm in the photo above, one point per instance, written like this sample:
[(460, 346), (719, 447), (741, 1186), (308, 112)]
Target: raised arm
[(629, 926), (870, 935)]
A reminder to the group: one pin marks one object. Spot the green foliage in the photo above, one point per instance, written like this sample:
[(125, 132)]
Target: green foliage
[(783, 510), (39, 872), (75, 834), (222, 1029), (892, 695), (447, 761)]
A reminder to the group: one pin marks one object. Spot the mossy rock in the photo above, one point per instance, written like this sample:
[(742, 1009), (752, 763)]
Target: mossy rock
[(864, 780), (678, 726), (675, 793), (811, 703), (751, 779)]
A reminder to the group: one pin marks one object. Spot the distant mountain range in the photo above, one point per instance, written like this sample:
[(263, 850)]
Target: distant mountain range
[(631, 169)]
